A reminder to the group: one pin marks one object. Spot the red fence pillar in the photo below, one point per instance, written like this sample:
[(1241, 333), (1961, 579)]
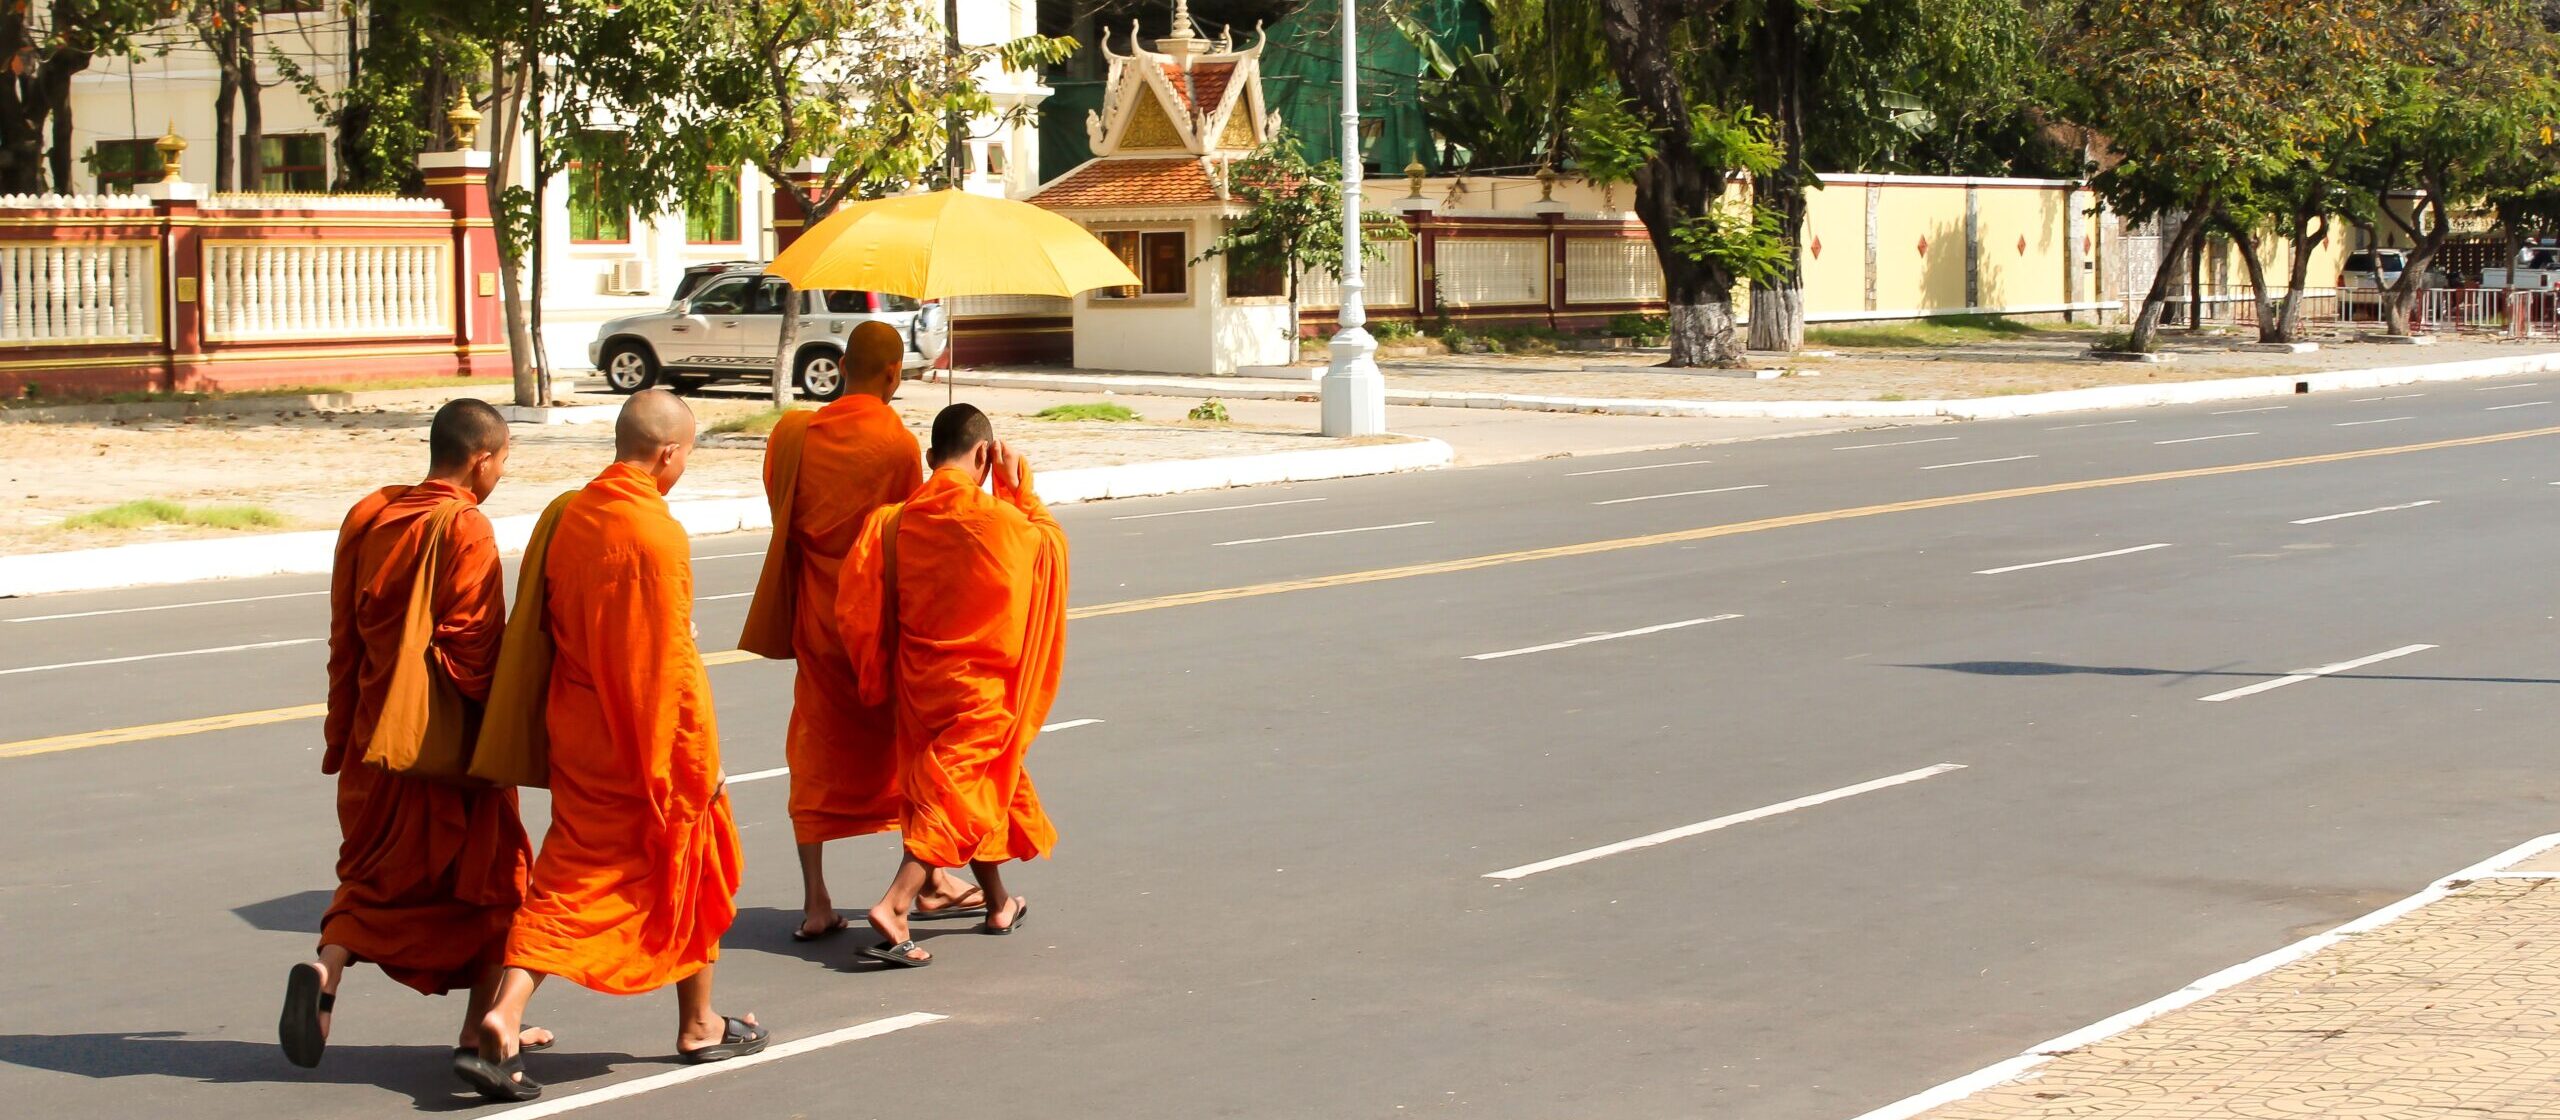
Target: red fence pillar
[(460, 180)]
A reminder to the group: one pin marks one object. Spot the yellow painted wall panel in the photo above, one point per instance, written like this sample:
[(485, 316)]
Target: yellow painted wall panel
[(1835, 240)]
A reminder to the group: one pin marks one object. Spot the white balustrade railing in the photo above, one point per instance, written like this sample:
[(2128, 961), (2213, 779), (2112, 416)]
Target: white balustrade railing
[(73, 202), (327, 289), (376, 203), (987, 307), (1491, 271), (79, 293), (1386, 276), (1611, 270)]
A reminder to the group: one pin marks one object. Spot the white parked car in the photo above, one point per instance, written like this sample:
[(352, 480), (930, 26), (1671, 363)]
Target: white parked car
[(2537, 266), (2360, 266), (728, 327)]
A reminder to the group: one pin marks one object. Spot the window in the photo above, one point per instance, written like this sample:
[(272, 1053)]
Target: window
[(892, 302), (995, 159), (588, 218), (713, 219), (279, 7), (723, 297), (295, 163), (1253, 279), (768, 298), (122, 165), (1161, 260)]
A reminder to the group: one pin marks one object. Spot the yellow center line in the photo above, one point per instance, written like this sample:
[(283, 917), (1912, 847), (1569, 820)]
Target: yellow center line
[(1408, 571)]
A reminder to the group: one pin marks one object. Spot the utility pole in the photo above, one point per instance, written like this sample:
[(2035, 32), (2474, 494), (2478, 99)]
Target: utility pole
[(1355, 394)]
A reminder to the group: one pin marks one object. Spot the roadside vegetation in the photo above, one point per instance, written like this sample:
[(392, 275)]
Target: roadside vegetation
[(1104, 411), (751, 424), (1948, 330), (150, 512)]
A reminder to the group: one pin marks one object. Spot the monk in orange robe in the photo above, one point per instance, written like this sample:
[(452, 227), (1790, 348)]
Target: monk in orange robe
[(824, 474), (429, 872), (638, 876), (968, 594)]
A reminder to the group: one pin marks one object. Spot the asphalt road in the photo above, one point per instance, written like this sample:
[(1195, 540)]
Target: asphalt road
[(1273, 894)]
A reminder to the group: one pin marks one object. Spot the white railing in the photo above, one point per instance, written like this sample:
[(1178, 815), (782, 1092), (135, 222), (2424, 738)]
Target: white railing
[(73, 202), (1491, 271), (361, 202), (327, 289), (79, 293), (1611, 270), (1386, 276)]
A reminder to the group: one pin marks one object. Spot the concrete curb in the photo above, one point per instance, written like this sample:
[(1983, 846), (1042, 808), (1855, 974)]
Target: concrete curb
[(1982, 408), (219, 406), (305, 553)]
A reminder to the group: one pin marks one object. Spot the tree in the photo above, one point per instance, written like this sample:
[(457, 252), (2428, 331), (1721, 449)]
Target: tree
[(2469, 88), (43, 43), (2204, 99), (1293, 217), (1508, 101)]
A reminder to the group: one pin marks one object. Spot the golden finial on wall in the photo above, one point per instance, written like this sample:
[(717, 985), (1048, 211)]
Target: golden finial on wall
[(171, 146), (465, 122)]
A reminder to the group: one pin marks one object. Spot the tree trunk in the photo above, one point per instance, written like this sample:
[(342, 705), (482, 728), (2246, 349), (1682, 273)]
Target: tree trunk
[(1777, 304), (787, 354), (2427, 236), (224, 43), (2247, 245), (1676, 185), (506, 131), (2309, 232), (2146, 323), (253, 116)]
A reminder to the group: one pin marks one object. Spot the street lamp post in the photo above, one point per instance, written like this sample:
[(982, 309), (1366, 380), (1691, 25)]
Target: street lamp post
[(1355, 396)]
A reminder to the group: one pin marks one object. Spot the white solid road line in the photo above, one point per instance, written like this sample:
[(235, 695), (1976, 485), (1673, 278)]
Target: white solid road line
[(1685, 831), (1320, 533), (2384, 420), (2502, 388), (2504, 407), (2300, 675), (1976, 462), (2260, 408), (166, 607), (717, 598), (1684, 623), (2093, 424), (730, 555), (1646, 467), (2069, 560), (1896, 443), (774, 1053), (778, 771), (2200, 439), (1213, 509), (2362, 512), (1681, 494), (159, 656)]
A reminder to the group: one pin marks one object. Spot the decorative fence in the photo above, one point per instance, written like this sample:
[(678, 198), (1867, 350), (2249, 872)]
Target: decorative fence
[(1545, 269), (2520, 313), (1005, 330), (175, 293)]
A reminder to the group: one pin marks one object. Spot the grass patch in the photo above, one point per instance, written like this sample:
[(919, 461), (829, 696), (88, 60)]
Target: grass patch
[(37, 396), (154, 511), (1944, 330), (1105, 411), (751, 424)]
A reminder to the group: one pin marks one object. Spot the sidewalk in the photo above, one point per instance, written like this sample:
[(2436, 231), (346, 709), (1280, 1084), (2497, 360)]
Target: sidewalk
[(2439, 1007)]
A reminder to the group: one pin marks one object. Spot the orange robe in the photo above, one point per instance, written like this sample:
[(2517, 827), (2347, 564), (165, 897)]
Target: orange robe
[(429, 873), (638, 877), (856, 458), (980, 618)]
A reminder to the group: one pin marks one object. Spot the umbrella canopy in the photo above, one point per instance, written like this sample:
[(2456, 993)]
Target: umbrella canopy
[(950, 243)]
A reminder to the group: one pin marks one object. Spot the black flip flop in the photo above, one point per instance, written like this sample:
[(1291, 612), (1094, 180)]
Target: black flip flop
[(299, 1027), (738, 1038), (920, 914), (896, 954), (841, 924), (1020, 912), (521, 1048), (497, 1081)]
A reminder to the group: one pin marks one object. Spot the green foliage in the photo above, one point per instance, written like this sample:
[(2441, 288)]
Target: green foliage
[(153, 511), (1943, 330), (1645, 328), (2115, 342), (1505, 102), (1392, 330), (1293, 214), (1753, 248), (750, 424), (1209, 412), (1609, 143), (1104, 411)]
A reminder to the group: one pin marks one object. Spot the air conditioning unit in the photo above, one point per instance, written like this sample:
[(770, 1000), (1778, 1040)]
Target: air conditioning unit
[(630, 278)]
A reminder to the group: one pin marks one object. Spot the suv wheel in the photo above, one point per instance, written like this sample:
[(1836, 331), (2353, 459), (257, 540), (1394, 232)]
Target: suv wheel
[(628, 368), (821, 375)]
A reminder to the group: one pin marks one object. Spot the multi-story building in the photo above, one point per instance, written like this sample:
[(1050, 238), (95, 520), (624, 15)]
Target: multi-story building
[(597, 265)]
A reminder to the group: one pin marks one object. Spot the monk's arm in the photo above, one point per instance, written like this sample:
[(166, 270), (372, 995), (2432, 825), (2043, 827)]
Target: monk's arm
[(471, 606), (346, 651), (858, 602)]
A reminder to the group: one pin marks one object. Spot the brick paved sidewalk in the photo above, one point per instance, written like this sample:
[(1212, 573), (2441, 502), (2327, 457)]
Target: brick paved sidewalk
[(2449, 1009)]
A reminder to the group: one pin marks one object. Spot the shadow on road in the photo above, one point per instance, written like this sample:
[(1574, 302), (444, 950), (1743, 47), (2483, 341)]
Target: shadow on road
[(423, 1072), (2061, 669), (767, 929), (293, 913)]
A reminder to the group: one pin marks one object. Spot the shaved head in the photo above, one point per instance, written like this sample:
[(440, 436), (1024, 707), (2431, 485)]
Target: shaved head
[(650, 420), (957, 431), (875, 355), (463, 428)]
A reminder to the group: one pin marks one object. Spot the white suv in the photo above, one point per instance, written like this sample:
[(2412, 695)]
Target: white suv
[(729, 327)]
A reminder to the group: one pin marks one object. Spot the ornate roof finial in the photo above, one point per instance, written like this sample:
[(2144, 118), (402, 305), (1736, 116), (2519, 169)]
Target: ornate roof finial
[(1226, 40), (1181, 20), (1184, 40)]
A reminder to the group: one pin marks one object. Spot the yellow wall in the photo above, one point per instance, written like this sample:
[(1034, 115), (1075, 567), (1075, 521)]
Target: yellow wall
[(1835, 277), (2022, 231), (1919, 248)]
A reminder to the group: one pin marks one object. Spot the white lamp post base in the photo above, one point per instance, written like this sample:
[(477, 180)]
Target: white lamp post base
[(1355, 396)]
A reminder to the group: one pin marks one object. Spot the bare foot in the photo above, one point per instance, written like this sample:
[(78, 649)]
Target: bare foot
[(946, 893), (820, 922)]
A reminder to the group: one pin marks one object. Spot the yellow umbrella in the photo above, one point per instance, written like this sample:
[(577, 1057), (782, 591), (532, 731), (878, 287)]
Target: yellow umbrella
[(950, 243)]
